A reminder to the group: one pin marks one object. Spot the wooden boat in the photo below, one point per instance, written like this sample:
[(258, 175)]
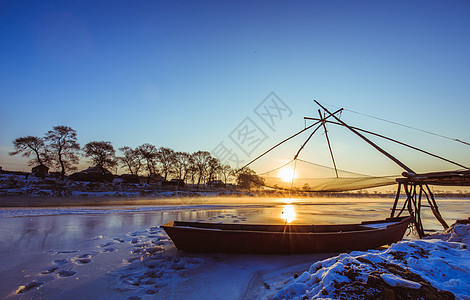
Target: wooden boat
[(283, 239)]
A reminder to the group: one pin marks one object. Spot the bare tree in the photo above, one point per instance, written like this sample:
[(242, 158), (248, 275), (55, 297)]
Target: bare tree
[(213, 168), (131, 159), (101, 154), (149, 154), (166, 158), (226, 172), (181, 165), (64, 148), (30, 144), (192, 170), (201, 160)]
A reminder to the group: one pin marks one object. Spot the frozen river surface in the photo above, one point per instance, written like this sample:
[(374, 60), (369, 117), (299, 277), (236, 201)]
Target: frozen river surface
[(120, 252)]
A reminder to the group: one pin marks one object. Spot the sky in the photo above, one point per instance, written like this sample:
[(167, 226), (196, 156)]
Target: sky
[(192, 75)]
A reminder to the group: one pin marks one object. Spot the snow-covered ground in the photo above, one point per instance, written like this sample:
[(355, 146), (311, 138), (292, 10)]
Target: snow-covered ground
[(32, 186), (418, 269)]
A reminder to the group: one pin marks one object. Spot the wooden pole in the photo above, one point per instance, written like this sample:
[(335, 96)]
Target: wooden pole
[(397, 142), (410, 210), (329, 145), (397, 197), (418, 209), (278, 144), (306, 141), (369, 142), (435, 209)]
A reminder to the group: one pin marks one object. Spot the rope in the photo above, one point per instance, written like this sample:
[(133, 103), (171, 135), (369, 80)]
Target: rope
[(402, 125)]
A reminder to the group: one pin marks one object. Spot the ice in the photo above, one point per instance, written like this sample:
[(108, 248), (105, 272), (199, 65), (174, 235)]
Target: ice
[(28, 212)]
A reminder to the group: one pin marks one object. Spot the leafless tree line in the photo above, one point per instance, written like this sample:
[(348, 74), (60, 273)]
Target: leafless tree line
[(60, 149)]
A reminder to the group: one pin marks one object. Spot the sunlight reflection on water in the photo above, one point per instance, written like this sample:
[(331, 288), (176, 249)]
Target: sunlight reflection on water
[(288, 213)]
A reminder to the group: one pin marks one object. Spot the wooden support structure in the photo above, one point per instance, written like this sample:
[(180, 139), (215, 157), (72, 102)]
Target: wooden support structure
[(417, 185)]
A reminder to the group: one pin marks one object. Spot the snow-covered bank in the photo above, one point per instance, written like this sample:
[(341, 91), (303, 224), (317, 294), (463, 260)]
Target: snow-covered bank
[(12, 185), (432, 268)]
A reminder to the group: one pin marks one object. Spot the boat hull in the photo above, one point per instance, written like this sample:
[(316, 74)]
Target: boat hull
[(280, 239)]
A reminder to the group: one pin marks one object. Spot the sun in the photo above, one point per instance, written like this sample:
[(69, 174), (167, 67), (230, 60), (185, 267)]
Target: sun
[(287, 174)]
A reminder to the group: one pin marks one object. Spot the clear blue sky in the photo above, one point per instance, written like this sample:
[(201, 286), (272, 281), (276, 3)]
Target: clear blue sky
[(184, 74)]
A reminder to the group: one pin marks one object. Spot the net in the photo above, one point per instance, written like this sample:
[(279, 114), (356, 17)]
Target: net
[(306, 176)]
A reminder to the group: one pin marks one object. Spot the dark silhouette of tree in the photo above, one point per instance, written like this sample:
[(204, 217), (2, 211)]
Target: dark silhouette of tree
[(247, 179), (148, 152), (226, 172), (30, 144), (181, 165), (213, 168), (101, 154), (166, 158), (131, 159), (62, 142), (192, 170), (201, 161)]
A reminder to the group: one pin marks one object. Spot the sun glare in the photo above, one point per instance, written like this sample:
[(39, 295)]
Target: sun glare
[(287, 174), (288, 213)]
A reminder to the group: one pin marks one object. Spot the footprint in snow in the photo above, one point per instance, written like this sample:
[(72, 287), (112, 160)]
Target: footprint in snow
[(107, 244), (108, 250), (60, 262), (66, 273), (32, 285), (83, 259), (50, 270), (119, 240), (67, 252), (159, 242)]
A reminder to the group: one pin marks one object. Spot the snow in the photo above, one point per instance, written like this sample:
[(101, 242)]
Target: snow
[(378, 225), (437, 262), (393, 280), (31, 186)]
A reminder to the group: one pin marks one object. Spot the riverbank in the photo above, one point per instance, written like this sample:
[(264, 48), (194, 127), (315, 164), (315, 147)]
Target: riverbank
[(19, 190)]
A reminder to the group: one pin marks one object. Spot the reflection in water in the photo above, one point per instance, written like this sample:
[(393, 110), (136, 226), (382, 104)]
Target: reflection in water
[(288, 213)]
